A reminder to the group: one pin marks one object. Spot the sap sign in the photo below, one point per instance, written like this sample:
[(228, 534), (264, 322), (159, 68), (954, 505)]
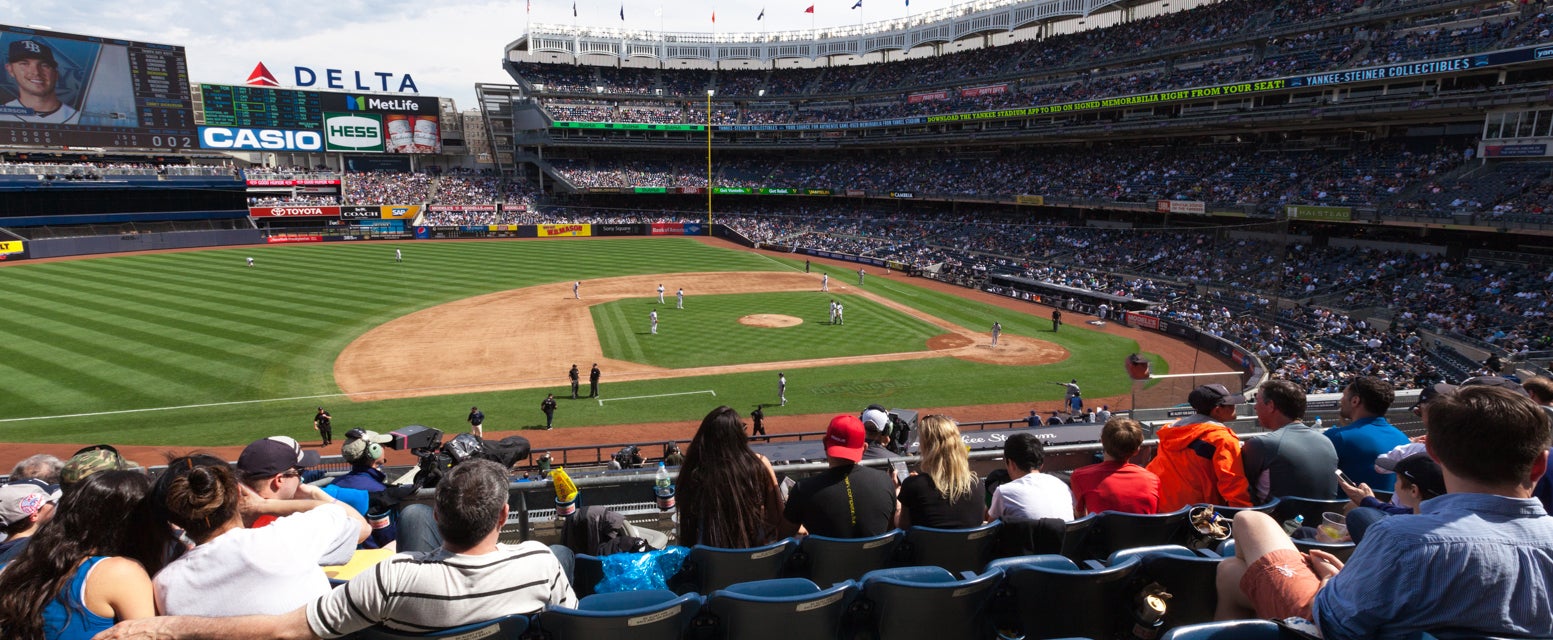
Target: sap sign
[(375, 81), (260, 139), (353, 132)]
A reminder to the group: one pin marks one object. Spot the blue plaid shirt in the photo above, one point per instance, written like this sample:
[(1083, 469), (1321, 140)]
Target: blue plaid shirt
[(1468, 561)]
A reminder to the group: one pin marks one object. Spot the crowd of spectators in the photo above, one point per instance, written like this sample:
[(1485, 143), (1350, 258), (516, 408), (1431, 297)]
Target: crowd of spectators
[(386, 187)]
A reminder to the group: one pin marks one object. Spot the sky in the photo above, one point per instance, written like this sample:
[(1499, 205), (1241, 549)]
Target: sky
[(445, 46)]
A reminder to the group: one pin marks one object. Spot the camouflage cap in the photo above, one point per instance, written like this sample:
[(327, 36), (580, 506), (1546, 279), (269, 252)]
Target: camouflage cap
[(86, 463)]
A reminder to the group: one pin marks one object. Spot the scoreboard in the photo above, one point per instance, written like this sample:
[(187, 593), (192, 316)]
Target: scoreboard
[(222, 105), (91, 91)]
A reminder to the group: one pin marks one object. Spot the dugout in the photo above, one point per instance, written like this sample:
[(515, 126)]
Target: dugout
[(1061, 296)]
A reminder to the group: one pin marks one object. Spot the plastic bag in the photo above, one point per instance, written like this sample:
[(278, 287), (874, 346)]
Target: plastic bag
[(641, 571)]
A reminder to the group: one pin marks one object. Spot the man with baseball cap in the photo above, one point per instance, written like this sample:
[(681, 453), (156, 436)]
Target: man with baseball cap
[(876, 424), (31, 66), (24, 506), (272, 468), (91, 460), (847, 500), (1198, 458)]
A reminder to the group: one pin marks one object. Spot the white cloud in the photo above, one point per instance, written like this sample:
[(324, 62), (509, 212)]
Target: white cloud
[(445, 46)]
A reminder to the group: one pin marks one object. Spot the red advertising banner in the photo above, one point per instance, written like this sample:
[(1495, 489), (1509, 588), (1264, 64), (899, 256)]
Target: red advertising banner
[(1140, 320), (475, 208), (293, 238), (928, 95), (687, 190), (294, 183), (1181, 206), (988, 90), (668, 228), (294, 212)]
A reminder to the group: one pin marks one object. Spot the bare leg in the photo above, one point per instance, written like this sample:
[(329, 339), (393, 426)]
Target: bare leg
[(1256, 535)]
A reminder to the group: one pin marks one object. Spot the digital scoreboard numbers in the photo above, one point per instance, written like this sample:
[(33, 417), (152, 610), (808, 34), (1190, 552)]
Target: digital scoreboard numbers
[(67, 90), (259, 107)]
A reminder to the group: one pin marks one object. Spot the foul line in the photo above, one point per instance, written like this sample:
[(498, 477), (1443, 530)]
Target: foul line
[(660, 395)]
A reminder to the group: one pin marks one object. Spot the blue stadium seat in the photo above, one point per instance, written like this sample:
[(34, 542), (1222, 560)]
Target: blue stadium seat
[(927, 602), (1075, 540), (828, 560), (639, 615), (1056, 602), (708, 569), (1232, 630), (956, 550), (1186, 574), (587, 573), (1229, 512), (780, 609), (1340, 549), (509, 627), (1030, 537), (1114, 530)]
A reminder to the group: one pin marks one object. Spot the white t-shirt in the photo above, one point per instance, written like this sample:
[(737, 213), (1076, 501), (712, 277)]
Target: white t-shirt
[(270, 570), (1032, 497), (63, 115)]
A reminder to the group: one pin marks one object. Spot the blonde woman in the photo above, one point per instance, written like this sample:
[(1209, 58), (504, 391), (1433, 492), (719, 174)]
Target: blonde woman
[(945, 493)]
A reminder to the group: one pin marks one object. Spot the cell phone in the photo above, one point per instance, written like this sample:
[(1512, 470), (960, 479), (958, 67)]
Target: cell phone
[(900, 470), (1344, 477)]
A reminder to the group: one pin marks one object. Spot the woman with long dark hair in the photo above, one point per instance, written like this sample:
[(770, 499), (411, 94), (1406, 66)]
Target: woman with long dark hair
[(727, 493), (89, 566), (946, 494)]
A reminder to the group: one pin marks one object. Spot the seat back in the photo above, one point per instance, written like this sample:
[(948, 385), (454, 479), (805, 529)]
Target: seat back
[(499, 629), (1115, 530), (606, 615), (956, 550), (587, 573), (1231, 630), (1187, 575), (1030, 537), (1060, 603), (1076, 537), (827, 560), (1290, 506), (1340, 549), (1229, 512), (907, 603), (708, 569), (780, 609)]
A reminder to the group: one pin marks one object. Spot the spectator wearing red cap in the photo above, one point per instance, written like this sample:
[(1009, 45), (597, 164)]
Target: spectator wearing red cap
[(1198, 459), (847, 500)]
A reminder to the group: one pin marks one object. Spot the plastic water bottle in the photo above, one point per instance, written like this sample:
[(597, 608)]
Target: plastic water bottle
[(663, 488), (1316, 424), (1293, 524)]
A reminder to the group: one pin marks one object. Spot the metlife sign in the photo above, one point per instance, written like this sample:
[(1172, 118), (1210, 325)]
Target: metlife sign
[(244, 139), (353, 132)]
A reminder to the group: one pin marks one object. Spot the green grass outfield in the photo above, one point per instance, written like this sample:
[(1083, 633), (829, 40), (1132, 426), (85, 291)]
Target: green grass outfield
[(195, 348)]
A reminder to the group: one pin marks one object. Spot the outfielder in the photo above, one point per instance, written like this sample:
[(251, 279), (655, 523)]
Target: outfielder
[(679, 298), (782, 388), (398, 256), (654, 318), (860, 274), (660, 293), (250, 261)]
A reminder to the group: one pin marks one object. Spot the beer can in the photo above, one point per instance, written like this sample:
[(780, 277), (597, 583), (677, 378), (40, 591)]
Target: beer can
[(400, 135), (428, 134)]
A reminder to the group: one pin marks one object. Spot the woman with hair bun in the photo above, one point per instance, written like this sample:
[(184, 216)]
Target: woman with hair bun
[(946, 494), (89, 566), (727, 493), (234, 571)]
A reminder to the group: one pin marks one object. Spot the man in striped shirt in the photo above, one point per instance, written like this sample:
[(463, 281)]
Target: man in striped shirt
[(472, 578)]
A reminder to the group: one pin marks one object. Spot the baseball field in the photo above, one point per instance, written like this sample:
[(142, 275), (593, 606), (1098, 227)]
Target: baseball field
[(198, 349)]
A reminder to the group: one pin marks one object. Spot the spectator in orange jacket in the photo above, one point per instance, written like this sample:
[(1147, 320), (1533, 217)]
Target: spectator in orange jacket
[(1198, 459)]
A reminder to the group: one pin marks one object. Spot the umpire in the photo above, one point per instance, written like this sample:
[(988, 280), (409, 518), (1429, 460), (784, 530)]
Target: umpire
[(322, 423)]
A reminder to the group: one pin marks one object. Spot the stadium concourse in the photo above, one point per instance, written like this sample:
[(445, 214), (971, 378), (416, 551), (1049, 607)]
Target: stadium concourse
[(1182, 357)]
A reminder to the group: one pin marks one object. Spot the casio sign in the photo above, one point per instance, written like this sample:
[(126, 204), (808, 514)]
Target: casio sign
[(260, 139), (353, 132)]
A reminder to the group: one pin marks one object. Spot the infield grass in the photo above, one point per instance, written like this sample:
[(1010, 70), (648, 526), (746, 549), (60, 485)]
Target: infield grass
[(195, 348)]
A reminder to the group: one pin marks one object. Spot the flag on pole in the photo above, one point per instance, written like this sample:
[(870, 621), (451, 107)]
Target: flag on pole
[(810, 9), (622, 12), (574, 8), (859, 5), (762, 14), (714, 17), (530, 7)]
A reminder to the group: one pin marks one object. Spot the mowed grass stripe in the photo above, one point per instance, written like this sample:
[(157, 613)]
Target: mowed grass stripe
[(210, 298), (94, 381)]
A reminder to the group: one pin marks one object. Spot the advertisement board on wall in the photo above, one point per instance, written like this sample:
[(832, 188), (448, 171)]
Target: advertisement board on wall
[(294, 212), (564, 230), (254, 118), (1181, 206), (1311, 212), (359, 213), (91, 91)]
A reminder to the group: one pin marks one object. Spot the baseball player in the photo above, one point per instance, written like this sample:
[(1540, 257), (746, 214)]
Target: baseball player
[(575, 287), (654, 318), (31, 65), (841, 313), (997, 330), (824, 282), (250, 261), (860, 274), (476, 422), (398, 256), (1074, 397), (679, 298), (833, 312), (660, 293), (805, 266), (782, 388), (1056, 320)]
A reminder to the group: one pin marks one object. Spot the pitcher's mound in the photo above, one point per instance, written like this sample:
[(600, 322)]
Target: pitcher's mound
[(770, 320)]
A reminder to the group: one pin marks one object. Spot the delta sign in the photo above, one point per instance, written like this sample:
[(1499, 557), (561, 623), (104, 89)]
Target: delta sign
[(341, 79)]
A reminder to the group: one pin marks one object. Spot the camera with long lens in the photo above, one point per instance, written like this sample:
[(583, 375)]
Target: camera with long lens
[(435, 457)]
